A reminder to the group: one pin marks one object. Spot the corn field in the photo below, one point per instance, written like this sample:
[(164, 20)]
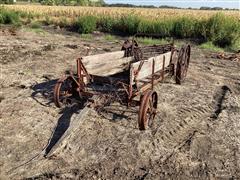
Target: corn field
[(115, 12)]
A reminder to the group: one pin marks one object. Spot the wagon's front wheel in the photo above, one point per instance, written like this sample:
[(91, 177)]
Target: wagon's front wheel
[(63, 91), (148, 109), (183, 63)]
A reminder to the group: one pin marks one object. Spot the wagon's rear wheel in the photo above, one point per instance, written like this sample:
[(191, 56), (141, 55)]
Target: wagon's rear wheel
[(63, 91), (148, 109), (183, 63), (174, 60)]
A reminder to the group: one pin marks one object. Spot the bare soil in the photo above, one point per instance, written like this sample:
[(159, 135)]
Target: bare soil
[(196, 133)]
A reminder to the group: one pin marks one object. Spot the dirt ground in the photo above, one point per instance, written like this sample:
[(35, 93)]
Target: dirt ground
[(196, 133)]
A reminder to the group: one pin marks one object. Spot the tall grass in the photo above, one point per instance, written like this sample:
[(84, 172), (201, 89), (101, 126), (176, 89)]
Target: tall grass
[(86, 24), (220, 29), (210, 46), (127, 24), (106, 24), (8, 17), (184, 27)]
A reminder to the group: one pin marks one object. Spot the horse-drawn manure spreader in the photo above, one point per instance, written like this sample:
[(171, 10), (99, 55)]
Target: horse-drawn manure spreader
[(127, 76)]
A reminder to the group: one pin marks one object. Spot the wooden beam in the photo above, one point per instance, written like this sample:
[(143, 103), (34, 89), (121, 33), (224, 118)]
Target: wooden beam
[(76, 120)]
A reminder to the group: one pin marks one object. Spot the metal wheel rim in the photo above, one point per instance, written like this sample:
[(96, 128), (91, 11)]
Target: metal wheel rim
[(63, 92), (183, 63), (147, 110)]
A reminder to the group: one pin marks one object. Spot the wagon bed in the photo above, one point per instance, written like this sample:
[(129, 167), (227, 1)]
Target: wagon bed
[(111, 63), (131, 72)]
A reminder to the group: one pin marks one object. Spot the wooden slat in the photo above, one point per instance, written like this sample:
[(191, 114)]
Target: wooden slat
[(110, 68), (106, 57), (146, 69), (106, 64)]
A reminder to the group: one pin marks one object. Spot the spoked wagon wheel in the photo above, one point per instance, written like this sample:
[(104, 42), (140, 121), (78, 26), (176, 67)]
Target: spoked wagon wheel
[(174, 60), (183, 63), (148, 109), (63, 91)]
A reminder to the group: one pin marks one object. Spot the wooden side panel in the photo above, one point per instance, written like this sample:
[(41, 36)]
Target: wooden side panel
[(106, 64), (98, 59), (146, 69)]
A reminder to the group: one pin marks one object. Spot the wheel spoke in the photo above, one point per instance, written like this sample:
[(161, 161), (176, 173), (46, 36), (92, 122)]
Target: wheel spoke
[(150, 103)]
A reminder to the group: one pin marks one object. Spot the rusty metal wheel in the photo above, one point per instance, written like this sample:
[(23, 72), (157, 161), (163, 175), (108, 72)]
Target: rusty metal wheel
[(174, 60), (148, 109), (183, 63), (63, 91)]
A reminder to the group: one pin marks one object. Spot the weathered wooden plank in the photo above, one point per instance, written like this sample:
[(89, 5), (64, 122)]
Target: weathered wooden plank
[(75, 122), (146, 69), (105, 57), (108, 66), (114, 62)]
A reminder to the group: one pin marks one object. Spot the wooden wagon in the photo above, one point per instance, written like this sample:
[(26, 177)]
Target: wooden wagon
[(131, 73)]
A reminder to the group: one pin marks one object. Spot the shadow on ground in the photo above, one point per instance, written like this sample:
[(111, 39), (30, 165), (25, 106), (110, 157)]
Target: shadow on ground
[(116, 113), (62, 126), (43, 92), (220, 97)]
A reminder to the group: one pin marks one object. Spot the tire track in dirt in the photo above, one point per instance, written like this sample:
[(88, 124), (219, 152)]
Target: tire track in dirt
[(175, 134)]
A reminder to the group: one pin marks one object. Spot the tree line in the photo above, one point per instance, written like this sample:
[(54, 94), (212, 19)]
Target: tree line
[(102, 3)]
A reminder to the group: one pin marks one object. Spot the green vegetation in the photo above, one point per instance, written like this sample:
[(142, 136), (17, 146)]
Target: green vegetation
[(47, 20), (184, 27), (9, 17), (218, 30), (210, 46), (106, 24), (151, 41), (110, 37), (235, 46), (62, 22), (222, 31), (86, 36), (35, 25), (162, 28), (35, 30), (127, 24), (86, 24), (6, 2)]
